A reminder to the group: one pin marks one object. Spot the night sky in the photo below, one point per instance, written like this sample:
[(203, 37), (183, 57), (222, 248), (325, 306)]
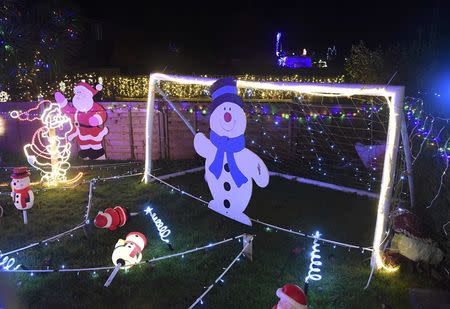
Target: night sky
[(217, 35)]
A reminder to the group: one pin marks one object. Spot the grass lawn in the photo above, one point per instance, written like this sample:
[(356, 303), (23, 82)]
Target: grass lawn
[(278, 258)]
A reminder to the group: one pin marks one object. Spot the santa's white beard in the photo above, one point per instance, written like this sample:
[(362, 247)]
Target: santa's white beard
[(82, 104)]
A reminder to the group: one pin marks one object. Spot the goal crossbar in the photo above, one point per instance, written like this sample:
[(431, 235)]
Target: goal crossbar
[(394, 97)]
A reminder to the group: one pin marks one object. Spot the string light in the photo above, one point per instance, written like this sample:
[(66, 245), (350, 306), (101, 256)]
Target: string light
[(393, 95), (314, 265), (7, 263), (164, 232), (268, 226), (4, 96), (219, 279), (125, 87)]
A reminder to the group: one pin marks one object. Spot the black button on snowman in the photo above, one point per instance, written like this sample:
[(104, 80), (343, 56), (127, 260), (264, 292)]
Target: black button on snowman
[(229, 166)]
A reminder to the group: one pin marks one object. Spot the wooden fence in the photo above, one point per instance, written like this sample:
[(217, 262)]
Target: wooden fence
[(126, 137)]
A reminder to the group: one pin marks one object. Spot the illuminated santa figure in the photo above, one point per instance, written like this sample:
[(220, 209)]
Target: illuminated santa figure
[(49, 150), (88, 119)]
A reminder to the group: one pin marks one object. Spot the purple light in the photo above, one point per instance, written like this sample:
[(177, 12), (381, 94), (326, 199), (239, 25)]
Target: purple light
[(277, 120), (295, 62)]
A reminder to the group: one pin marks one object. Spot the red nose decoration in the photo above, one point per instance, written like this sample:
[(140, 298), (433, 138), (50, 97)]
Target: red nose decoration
[(227, 117)]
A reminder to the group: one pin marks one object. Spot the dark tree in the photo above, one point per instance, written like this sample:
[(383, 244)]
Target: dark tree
[(38, 39)]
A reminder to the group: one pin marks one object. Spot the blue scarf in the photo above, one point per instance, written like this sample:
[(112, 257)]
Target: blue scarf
[(228, 146)]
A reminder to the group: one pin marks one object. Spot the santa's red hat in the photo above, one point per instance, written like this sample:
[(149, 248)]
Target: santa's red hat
[(294, 295), (138, 239), (111, 218), (90, 88), (20, 172)]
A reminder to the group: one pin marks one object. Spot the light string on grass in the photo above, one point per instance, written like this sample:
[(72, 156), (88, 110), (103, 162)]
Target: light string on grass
[(219, 279), (64, 269), (47, 240), (332, 242)]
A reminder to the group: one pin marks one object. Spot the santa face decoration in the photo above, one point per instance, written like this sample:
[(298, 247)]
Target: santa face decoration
[(82, 99), (229, 166), (88, 120), (23, 197), (128, 252), (111, 218)]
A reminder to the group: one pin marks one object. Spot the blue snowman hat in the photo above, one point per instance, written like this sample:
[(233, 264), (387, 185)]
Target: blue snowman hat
[(224, 90)]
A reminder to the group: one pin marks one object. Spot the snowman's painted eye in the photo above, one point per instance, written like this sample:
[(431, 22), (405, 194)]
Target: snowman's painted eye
[(229, 109), (224, 108)]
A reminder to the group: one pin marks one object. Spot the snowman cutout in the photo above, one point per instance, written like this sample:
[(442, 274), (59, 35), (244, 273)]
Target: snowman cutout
[(21, 194), (229, 166)]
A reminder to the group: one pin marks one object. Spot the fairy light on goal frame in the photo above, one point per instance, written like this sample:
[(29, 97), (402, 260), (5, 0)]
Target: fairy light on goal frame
[(394, 97)]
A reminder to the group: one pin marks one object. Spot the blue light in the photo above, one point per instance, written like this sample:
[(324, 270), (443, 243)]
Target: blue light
[(278, 47)]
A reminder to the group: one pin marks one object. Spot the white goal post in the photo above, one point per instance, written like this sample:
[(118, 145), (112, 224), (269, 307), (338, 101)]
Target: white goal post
[(394, 97)]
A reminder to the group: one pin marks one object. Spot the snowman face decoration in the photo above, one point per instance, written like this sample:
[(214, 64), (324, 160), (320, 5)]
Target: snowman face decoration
[(21, 183), (228, 119), (82, 99), (128, 252), (126, 255)]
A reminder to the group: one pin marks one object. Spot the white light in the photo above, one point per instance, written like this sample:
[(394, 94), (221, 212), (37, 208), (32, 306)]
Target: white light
[(48, 152), (314, 270), (6, 263), (163, 230), (393, 95)]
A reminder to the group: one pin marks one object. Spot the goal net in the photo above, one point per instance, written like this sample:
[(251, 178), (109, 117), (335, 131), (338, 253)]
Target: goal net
[(343, 137)]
